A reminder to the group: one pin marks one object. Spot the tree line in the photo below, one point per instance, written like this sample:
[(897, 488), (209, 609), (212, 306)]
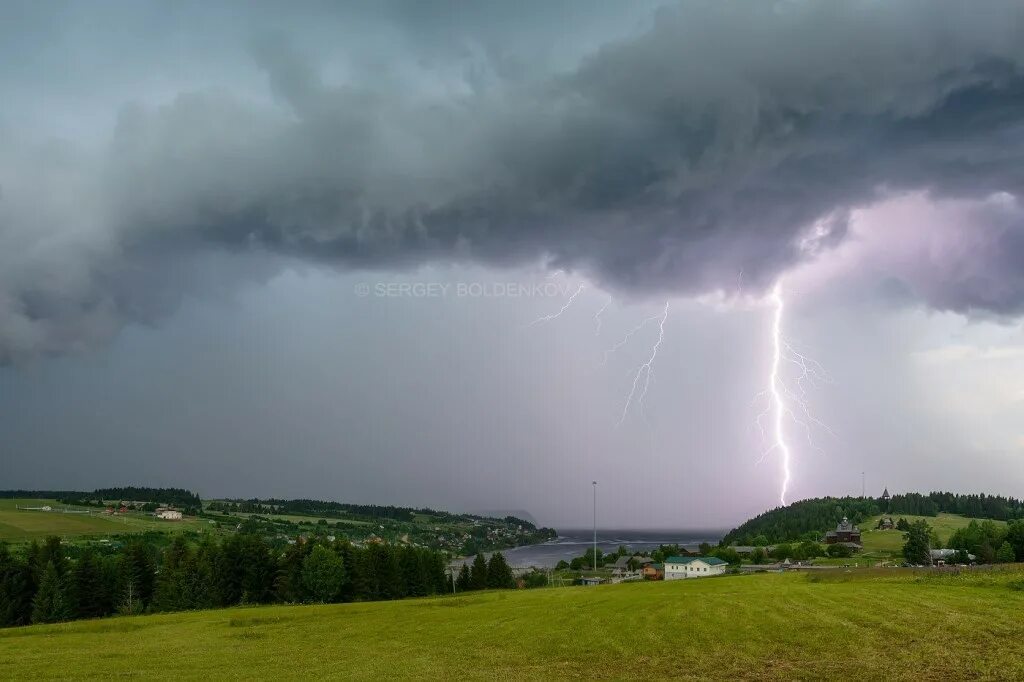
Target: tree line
[(807, 519), (326, 508), (43, 585), (803, 520), (979, 506), (485, 574)]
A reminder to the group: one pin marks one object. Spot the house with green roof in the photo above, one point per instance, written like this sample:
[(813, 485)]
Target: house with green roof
[(679, 567)]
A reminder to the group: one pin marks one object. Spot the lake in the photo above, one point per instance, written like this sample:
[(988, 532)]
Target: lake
[(573, 543)]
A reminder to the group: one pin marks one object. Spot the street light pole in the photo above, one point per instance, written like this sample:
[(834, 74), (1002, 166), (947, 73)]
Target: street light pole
[(595, 526)]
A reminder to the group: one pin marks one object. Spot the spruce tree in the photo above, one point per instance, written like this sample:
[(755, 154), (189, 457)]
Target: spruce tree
[(88, 592), (463, 582), (499, 573), (289, 585), (364, 579), (478, 573), (50, 603), (169, 592), (389, 573), (15, 590)]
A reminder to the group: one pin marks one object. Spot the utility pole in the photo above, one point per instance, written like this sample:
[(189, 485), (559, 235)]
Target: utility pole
[(862, 488), (595, 526)]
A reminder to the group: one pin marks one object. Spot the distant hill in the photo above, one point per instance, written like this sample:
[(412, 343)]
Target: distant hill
[(807, 519), (503, 513)]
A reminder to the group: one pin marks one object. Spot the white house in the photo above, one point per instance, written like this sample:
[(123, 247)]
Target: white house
[(679, 567), (168, 514)]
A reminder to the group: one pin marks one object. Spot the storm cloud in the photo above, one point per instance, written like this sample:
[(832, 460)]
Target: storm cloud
[(723, 141)]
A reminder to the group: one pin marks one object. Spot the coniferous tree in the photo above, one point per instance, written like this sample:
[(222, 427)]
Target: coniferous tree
[(169, 593), (463, 583), (289, 584), (50, 603), (88, 594), (200, 583), (51, 552), (499, 573), (389, 573), (438, 568), (15, 590), (478, 573), (414, 573), (1004, 554), (136, 576), (364, 578), (259, 570)]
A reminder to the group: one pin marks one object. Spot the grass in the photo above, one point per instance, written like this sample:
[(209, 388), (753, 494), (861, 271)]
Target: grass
[(843, 625), (892, 540), (20, 524)]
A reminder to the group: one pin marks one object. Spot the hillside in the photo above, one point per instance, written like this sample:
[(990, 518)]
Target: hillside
[(461, 534), (22, 524), (869, 625), (875, 540), (808, 519)]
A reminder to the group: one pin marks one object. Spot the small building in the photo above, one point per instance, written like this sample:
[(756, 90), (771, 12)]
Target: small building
[(168, 514), (885, 523), (844, 532), (942, 556), (621, 565), (744, 550), (679, 567), (591, 581), (653, 571)]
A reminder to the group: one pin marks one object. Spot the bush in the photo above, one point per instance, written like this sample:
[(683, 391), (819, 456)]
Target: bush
[(839, 551), (535, 579)]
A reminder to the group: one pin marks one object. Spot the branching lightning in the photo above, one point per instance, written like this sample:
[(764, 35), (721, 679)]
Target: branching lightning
[(597, 316), (786, 403), (548, 318), (646, 368), (625, 339)]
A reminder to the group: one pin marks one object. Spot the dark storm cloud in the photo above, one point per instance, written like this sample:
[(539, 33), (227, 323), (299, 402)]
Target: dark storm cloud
[(728, 138)]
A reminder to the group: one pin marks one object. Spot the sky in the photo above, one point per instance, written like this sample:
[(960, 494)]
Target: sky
[(475, 256)]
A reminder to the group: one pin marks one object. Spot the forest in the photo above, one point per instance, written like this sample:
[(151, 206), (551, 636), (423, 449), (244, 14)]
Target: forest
[(52, 582), (807, 519)]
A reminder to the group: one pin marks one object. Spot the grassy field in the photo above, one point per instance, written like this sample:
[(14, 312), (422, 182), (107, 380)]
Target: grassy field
[(19, 524), (892, 540), (298, 518), (860, 625)]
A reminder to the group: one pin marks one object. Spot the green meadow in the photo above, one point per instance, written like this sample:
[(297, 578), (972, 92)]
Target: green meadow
[(892, 540), (840, 624), (21, 524)]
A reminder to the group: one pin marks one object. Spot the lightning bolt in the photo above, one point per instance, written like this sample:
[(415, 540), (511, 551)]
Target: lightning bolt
[(597, 316), (646, 368), (627, 337), (548, 318), (783, 400)]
